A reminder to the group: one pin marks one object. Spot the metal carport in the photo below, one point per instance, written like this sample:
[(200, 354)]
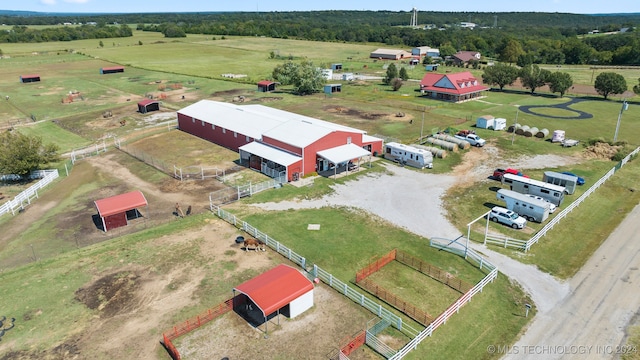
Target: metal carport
[(343, 154)]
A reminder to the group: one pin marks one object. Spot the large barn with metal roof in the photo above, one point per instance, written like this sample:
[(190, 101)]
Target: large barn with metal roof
[(277, 142)]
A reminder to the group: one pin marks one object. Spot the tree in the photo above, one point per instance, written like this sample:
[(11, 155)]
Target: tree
[(610, 83), (560, 82), (392, 73), (305, 77), (532, 77), (101, 44), (396, 84), (403, 74), (22, 154), (510, 51), (447, 50), (500, 75), (425, 61), (286, 73), (636, 88), (173, 31)]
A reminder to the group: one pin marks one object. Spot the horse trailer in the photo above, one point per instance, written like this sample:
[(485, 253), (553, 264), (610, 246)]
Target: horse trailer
[(527, 207), (523, 185), (408, 155), (569, 182)]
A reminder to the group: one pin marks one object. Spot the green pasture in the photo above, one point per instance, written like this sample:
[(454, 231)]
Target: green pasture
[(583, 74), (51, 133)]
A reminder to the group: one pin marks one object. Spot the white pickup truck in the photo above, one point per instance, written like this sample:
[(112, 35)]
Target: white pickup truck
[(473, 139)]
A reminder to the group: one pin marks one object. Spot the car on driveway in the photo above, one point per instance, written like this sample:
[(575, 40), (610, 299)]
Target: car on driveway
[(507, 217), (552, 206), (580, 179)]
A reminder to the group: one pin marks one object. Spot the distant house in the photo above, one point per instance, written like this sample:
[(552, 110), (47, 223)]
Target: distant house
[(266, 86), (463, 57), (390, 54), (468, 25), (451, 87), (425, 51), (29, 78)]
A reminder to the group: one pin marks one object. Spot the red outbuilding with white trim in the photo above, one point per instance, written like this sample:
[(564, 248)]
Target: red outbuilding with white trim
[(116, 211), (281, 290)]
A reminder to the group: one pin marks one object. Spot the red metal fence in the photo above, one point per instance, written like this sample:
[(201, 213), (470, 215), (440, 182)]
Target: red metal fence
[(354, 343), (375, 266), (192, 324), (433, 272), (397, 302)]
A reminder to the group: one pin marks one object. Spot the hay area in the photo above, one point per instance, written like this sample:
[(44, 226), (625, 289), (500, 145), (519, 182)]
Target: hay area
[(365, 115), (601, 150)]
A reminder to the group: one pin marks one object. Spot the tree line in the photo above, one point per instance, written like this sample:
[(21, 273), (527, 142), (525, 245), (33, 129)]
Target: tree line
[(24, 34)]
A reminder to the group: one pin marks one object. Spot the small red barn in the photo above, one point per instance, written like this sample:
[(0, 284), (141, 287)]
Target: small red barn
[(148, 105), (116, 211), (281, 290), (111, 70), (266, 86), (29, 78)]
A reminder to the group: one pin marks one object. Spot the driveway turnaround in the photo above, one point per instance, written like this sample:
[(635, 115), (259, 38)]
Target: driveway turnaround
[(581, 115)]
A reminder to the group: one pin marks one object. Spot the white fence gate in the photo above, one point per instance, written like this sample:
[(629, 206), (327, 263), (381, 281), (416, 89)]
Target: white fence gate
[(24, 198)]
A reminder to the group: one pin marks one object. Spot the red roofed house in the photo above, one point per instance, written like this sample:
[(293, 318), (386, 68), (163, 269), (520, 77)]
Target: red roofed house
[(116, 211), (276, 142), (266, 86), (146, 105), (463, 57), (452, 87), (281, 290)]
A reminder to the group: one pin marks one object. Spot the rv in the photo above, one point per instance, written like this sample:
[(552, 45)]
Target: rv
[(569, 182), (408, 155), (527, 207), (523, 185)]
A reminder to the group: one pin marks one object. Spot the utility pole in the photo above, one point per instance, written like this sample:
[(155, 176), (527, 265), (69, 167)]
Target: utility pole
[(513, 135), (624, 107), (422, 127)]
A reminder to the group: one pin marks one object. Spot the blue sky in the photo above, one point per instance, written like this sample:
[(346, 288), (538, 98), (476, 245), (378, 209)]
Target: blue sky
[(570, 6)]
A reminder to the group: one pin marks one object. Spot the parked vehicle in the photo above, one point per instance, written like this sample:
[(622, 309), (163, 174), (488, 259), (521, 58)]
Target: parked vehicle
[(408, 155), (530, 208), (499, 173), (580, 179), (568, 181), (569, 142), (552, 206), (507, 217), (471, 138), (551, 192)]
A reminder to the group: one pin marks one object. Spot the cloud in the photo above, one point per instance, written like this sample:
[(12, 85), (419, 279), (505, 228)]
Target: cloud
[(48, 2), (74, 1)]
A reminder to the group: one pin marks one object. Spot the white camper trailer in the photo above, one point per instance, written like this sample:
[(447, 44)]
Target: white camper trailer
[(408, 155), (527, 207), (569, 182), (523, 185)]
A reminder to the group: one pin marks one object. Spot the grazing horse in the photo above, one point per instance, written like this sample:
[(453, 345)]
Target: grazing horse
[(257, 245)]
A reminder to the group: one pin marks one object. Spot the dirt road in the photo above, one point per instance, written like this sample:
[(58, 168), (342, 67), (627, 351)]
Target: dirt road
[(590, 322)]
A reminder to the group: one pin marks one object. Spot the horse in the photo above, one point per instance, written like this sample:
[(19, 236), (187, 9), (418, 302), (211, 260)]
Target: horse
[(257, 245)]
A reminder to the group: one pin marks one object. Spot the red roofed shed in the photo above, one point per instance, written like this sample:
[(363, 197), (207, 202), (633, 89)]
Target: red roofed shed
[(147, 105), (111, 70), (266, 86), (115, 211), (282, 289), (29, 78)]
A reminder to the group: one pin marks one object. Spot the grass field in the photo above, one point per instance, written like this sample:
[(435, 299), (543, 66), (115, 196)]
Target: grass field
[(349, 239)]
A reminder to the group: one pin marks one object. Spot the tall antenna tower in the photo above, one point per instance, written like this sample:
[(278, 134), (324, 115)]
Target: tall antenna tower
[(495, 21), (414, 18)]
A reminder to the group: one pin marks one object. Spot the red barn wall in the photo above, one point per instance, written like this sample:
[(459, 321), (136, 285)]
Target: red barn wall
[(332, 140), (281, 145), (115, 221), (219, 136)]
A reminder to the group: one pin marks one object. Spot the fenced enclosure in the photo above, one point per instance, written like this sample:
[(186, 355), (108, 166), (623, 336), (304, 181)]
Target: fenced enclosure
[(89, 151), (230, 194), (24, 198)]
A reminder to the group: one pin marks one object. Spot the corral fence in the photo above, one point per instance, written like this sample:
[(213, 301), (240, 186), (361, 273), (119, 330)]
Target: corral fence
[(146, 158), (433, 272), (24, 198), (505, 241), (89, 151), (192, 324), (471, 257), (397, 302), (394, 320), (231, 194)]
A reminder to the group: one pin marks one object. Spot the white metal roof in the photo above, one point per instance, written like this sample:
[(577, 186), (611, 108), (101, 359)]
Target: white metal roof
[(267, 152), (369, 139), (256, 120), (343, 153)]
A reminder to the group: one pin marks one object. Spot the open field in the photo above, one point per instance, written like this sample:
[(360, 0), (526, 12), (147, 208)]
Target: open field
[(169, 269)]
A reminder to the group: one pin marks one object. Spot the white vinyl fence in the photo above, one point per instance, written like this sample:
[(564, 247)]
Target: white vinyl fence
[(24, 198)]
